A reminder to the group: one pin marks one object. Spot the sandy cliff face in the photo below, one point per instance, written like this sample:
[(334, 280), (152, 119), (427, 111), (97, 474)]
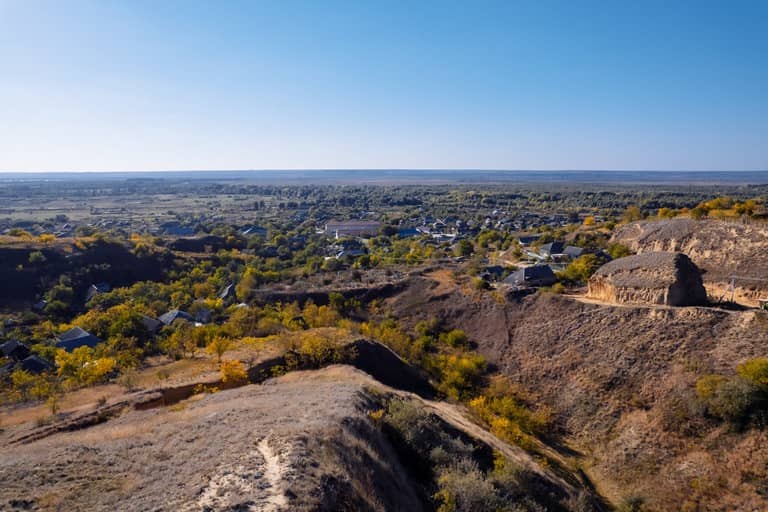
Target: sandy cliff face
[(601, 288), (720, 248), (654, 278)]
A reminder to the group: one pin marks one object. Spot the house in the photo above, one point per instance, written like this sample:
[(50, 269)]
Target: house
[(173, 315), (573, 252), (492, 273), (528, 239), (203, 315), (75, 338), (228, 293), (340, 229), (35, 364), (551, 249), (536, 275), (15, 350), (254, 231), (349, 253), (408, 232), (176, 229), (96, 289), (557, 251), (153, 325)]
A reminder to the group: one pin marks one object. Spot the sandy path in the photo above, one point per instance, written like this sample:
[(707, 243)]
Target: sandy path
[(273, 472)]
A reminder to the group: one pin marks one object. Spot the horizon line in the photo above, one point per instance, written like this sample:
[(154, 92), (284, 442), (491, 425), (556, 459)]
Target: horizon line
[(364, 169)]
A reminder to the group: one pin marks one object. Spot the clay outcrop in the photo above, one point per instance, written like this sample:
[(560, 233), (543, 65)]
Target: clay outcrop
[(653, 278)]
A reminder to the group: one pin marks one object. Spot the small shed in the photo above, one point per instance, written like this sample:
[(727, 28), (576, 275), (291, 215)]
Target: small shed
[(536, 275)]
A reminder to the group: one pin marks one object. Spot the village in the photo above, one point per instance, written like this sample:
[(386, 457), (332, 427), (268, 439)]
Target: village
[(113, 312)]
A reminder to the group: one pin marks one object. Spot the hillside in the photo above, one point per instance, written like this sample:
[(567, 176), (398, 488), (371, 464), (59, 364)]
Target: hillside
[(720, 248), (305, 441), (621, 383)]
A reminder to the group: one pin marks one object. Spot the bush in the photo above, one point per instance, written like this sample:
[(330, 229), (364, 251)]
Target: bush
[(755, 371), (81, 367), (233, 372), (410, 421), (730, 399), (582, 268), (37, 258), (464, 488), (459, 375), (129, 379), (318, 350), (455, 338)]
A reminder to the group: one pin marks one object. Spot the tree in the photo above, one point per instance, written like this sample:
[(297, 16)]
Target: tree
[(219, 345), (455, 338), (36, 258), (464, 248), (666, 213), (54, 403), (129, 379), (22, 382), (80, 367), (233, 372), (755, 371), (632, 214), (616, 251), (582, 268)]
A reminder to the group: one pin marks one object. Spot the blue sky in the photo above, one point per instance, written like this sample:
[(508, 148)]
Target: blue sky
[(153, 85)]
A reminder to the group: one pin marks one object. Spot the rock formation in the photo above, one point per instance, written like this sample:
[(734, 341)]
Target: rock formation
[(665, 278)]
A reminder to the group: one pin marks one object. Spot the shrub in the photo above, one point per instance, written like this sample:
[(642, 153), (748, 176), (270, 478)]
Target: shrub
[(129, 379), (37, 258), (582, 268), (233, 372), (557, 289), (616, 251), (755, 371), (727, 398), (481, 284), (81, 367), (408, 419), (459, 374), (455, 338), (318, 350), (464, 488), (631, 504)]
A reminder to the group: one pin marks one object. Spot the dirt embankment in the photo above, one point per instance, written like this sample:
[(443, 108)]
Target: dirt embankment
[(611, 375), (721, 248), (304, 441)]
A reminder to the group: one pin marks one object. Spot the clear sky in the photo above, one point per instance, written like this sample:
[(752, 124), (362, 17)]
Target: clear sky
[(160, 84)]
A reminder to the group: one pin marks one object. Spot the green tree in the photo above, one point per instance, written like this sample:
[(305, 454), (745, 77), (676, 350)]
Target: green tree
[(464, 248), (37, 258), (632, 214)]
